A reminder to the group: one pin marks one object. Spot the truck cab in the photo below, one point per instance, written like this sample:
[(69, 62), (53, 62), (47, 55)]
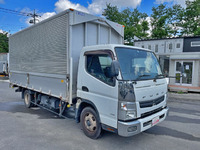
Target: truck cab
[(125, 88)]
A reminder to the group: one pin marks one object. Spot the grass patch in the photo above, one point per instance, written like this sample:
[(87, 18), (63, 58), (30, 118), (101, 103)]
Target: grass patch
[(180, 92)]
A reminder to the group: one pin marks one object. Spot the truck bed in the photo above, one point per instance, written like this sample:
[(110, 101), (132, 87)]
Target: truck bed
[(44, 57)]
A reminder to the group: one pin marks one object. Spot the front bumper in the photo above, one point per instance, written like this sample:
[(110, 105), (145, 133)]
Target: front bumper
[(134, 127)]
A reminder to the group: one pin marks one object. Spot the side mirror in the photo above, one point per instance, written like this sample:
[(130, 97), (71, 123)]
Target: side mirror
[(114, 70)]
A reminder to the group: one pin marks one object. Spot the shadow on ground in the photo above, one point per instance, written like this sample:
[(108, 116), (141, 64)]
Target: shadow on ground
[(19, 107), (158, 130)]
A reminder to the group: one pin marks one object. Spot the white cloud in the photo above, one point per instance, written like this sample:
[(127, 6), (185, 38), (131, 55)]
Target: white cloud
[(66, 4), (149, 20), (43, 16), (1, 1), (180, 2), (46, 15), (4, 32), (97, 6), (163, 1)]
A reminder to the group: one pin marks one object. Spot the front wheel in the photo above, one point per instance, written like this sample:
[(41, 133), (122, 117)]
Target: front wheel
[(90, 123)]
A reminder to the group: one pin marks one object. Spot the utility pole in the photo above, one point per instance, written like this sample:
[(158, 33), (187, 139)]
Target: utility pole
[(34, 16)]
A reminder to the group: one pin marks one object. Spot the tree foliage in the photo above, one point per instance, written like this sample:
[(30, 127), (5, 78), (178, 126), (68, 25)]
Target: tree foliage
[(158, 22), (134, 21), (165, 22), (176, 14), (191, 18), (4, 42)]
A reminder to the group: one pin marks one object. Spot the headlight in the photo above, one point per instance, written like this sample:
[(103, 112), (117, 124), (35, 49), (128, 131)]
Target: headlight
[(127, 105), (126, 91), (127, 111), (130, 114)]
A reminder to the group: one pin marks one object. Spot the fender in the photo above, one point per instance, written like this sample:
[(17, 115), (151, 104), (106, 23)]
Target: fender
[(85, 103)]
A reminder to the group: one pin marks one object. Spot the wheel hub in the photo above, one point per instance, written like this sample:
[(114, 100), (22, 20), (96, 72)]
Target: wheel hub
[(90, 122)]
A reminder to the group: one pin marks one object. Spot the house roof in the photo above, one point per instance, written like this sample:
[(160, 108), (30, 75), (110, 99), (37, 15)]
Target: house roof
[(185, 37)]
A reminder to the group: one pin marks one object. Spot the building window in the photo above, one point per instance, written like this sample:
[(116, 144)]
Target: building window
[(142, 46), (149, 47), (178, 45), (156, 48), (195, 44), (170, 46)]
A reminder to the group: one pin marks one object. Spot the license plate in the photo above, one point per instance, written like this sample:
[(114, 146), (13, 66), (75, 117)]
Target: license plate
[(155, 121)]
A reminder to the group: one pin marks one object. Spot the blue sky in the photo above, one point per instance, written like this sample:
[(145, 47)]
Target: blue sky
[(46, 8)]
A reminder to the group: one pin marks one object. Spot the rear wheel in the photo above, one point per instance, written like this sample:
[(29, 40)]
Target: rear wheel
[(90, 123), (28, 99)]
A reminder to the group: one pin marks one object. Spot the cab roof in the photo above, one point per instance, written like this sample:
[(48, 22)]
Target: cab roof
[(110, 47)]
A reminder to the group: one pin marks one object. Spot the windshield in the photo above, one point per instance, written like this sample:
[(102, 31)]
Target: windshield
[(137, 64)]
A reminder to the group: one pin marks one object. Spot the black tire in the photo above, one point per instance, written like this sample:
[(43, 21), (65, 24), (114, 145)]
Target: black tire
[(90, 123), (27, 99)]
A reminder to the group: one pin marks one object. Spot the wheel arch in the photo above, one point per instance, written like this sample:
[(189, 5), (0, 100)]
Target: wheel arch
[(85, 103)]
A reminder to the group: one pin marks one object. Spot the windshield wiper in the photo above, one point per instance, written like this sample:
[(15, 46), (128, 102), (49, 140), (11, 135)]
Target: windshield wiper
[(159, 75), (143, 75)]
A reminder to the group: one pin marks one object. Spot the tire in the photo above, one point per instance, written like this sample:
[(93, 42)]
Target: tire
[(27, 99), (90, 123)]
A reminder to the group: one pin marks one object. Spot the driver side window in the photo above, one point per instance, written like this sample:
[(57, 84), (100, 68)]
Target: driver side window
[(99, 67)]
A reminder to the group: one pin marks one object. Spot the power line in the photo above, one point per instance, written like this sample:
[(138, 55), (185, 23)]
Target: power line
[(14, 12), (33, 15)]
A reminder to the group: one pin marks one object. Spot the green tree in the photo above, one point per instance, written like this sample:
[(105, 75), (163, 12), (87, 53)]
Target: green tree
[(175, 20), (166, 22), (134, 21), (159, 24), (140, 24), (191, 25), (3, 42), (112, 13)]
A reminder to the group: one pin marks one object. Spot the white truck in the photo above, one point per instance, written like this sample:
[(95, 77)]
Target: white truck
[(74, 64), (4, 59)]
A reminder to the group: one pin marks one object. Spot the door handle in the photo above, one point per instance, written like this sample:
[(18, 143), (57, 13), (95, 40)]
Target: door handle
[(84, 88)]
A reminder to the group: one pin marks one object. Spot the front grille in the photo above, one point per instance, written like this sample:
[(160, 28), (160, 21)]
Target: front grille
[(151, 112), (151, 103)]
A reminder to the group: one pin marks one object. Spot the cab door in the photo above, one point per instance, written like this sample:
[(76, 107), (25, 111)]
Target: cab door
[(95, 85)]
